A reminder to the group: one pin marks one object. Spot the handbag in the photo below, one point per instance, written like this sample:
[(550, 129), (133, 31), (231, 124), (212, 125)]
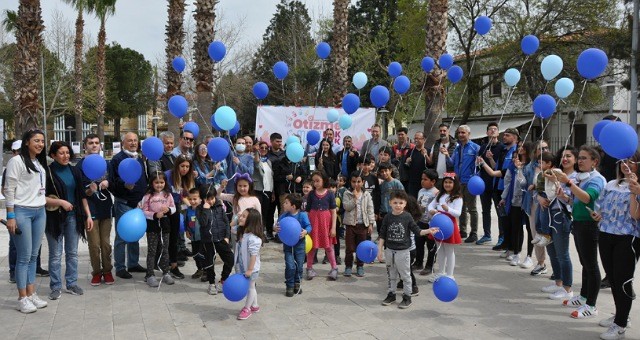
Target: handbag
[(56, 196)]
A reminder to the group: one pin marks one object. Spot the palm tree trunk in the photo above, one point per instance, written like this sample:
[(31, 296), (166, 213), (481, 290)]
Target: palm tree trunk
[(340, 67), (27, 65), (203, 71), (175, 41), (435, 42), (77, 69), (102, 79)]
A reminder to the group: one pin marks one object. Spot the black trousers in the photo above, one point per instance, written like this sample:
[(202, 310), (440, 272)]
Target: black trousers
[(421, 241), (585, 235), (226, 255), (267, 212), (174, 221), (517, 232), (490, 198)]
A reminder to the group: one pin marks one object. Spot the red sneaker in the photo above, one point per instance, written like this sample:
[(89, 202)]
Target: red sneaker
[(96, 280), (108, 278)]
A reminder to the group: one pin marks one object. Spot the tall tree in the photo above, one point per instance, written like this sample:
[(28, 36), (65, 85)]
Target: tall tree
[(340, 62), (435, 46), (102, 9), (175, 40), (29, 29), (203, 71)]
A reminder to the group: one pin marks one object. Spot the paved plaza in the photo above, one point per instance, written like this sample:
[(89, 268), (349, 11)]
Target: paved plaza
[(496, 301)]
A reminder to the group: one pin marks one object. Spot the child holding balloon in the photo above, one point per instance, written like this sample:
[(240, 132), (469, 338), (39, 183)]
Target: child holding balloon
[(294, 255), (358, 221), (250, 237), (321, 206), (157, 205), (448, 202)]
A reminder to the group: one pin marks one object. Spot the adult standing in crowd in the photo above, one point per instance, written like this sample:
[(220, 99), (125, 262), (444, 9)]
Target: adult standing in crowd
[(100, 205), (238, 162), (205, 168), (348, 159), (329, 134), (250, 147), (185, 145), (400, 150), (490, 197), (327, 161), (276, 155), (263, 186), (166, 161), (464, 163), (126, 197), (437, 159), (372, 146), (415, 163), (25, 200), (530, 202), (68, 215), (510, 142)]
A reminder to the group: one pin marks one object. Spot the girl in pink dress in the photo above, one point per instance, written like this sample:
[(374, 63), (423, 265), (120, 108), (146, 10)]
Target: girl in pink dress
[(321, 206)]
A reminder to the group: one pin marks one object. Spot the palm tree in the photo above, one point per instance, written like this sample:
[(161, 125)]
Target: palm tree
[(80, 6), (339, 76), (203, 71), (28, 28), (9, 20), (436, 44), (175, 42), (102, 9)]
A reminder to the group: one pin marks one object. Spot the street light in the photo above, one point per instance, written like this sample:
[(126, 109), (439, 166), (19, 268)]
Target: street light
[(383, 112), (610, 87), (154, 122), (69, 129)]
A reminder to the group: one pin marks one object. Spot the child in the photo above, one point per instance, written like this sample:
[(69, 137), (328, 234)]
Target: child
[(333, 187), (294, 256), (215, 234), (425, 196), (384, 158), (395, 234), (321, 206), (250, 238), (545, 188), (242, 199), (307, 187), (192, 230), (449, 202), (157, 205), (388, 185), (358, 220)]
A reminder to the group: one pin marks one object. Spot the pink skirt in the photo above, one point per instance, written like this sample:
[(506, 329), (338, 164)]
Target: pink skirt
[(321, 229)]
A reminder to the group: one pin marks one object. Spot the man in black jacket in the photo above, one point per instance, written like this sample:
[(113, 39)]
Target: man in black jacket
[(349, 164), (490, 195), (437, 160)]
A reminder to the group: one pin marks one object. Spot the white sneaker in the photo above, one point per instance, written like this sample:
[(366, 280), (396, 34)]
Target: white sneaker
[(544, 241), (527, 263), (552, 288), (584, 311), (608, 322), (535, 239), (434, 277), (561, 294), (26, 306), (505, 254), (37, 301), (614, 332), (515, 260), (575, 301), (212, 290)]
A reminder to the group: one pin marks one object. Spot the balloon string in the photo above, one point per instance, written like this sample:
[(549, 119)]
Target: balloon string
[(473, 63), (431, 105), (396, 109), (284, 103), (424, 84), (575, 115), (529, 129)]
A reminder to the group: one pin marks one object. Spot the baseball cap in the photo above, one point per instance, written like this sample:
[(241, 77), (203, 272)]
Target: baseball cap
[(512, 131)]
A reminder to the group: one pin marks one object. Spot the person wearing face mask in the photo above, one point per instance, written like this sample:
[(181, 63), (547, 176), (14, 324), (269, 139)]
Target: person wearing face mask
[(437, 160), (238, 162)]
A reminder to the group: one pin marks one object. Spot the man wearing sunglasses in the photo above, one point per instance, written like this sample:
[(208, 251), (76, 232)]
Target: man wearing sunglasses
[(185, 145)]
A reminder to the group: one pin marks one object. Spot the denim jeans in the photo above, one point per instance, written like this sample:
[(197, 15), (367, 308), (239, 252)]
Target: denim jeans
[(543, 219), (133, 248), (294, 261), (559, 249), (31, 222), (13, 256), (70, 238)]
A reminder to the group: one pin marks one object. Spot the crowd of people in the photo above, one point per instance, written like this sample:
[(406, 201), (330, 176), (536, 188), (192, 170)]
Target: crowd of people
[(381, 192)]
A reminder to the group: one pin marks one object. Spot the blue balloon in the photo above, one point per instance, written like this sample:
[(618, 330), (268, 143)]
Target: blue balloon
[(402, 84), (444, 223), (427, 64), (445, 289), (295, 152), (280, 70), (394, 69), (512, 77), (234, 131), (132, 225), (592, 62), (345, 122), (475, 185), (182, 228), (260, 90), (218, 149), (619, 140), (379, 96), (193, 128), (235, 287), (225, 117), (323, 50), (94, 166), (178, 64), (152, 148), (551, 66), (483, 25), (598, 128), (544, 106), (333, 115), (529, 44), (367, 251), (564, 87), (292, 140), (445, 61), (360, 80), (217, 51), (213, 123), (290, 230), (350, 103), (313, 137), (130, 170), (455, 74), (178, 106)]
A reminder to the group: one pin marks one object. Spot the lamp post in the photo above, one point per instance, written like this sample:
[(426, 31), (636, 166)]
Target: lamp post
[(69, 129), (610, 87), (385, 124), (154, 122)]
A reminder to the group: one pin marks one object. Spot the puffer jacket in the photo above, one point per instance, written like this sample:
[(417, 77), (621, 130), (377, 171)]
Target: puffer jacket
[(214, 224), (349, 204)]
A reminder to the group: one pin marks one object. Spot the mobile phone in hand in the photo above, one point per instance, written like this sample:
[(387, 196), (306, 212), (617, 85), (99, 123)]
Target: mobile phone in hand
[(18, 231)]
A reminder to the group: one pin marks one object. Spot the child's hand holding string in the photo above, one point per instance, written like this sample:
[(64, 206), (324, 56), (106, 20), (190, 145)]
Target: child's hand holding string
[(594, 215), (431, 231)]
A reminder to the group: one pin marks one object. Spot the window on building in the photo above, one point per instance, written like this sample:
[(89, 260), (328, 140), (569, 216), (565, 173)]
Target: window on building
[(495, 89)]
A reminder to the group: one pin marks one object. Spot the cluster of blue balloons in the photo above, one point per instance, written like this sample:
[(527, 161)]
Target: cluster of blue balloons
[(367, 251), (619, 140)]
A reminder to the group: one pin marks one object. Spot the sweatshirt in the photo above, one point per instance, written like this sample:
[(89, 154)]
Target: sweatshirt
[(214, 224), (396, 231), (22, 187)]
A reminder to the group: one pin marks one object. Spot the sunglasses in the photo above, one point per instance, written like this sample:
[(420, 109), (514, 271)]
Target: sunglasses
[(188, 139), (264, 148)]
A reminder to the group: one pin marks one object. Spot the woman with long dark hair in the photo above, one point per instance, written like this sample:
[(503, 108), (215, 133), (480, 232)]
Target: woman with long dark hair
[(327, 161)]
